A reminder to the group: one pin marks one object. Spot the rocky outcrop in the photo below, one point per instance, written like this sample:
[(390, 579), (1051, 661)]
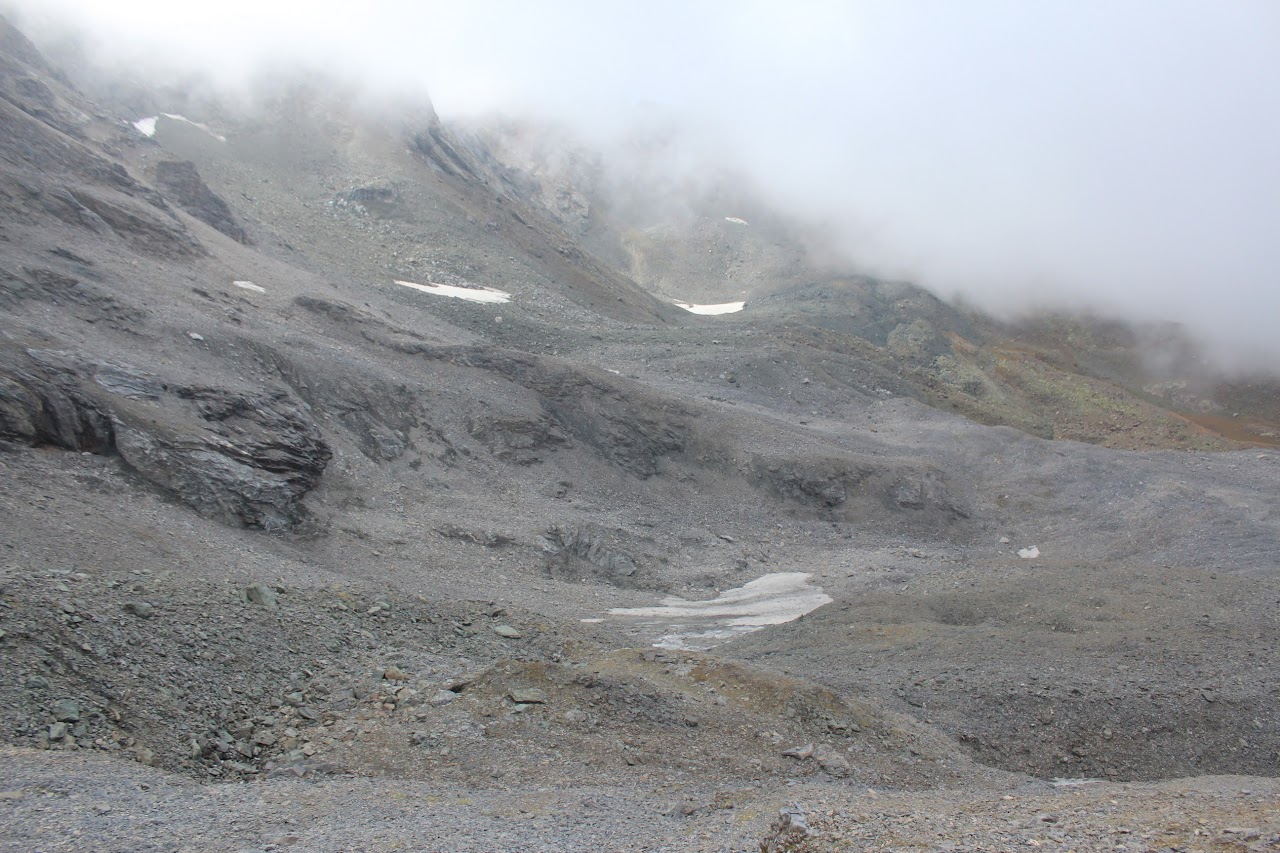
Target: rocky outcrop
[(578, 551), (377, 200), (627, 427), (523, 441), (243, 458), (180, 180), (42, 403), (385, 420), (855, 488), (87, 301)]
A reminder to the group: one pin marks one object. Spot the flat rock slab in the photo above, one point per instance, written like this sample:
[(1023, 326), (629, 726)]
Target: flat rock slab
[(527, 696)]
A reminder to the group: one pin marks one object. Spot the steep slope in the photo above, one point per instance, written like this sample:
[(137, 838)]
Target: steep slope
[(271, 515)]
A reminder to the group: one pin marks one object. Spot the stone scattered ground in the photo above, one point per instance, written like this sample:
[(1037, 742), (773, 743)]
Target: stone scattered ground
[(1211, 813), (306, 565)]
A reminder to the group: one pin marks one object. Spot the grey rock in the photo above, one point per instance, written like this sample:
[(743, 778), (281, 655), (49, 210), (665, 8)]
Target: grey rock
[(181, 182), (788, 831), (128, 381), (243, 458), (259, 593), (66, 710), (589, 545), (37, 682), (507, 631), (830, 760), (523, 441), (141, 609), (800, 753), (298, 768), (527, 695), (442, 697), (488, 538), (57, 731), (42, 403)]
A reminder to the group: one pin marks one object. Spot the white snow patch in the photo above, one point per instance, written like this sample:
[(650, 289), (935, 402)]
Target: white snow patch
[(721, 308), (248, 285), (1029, 553), (147, 126), (769, 600), (736, 221), (1073, 783), (472, 294)]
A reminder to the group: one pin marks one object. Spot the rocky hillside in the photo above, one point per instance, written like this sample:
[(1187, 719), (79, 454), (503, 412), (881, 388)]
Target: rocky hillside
[(352, 463)]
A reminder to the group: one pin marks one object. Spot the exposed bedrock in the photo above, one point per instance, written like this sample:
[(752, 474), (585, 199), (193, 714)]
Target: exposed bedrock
[(180, 180), (850, 487), (628, 427), (242, 458)]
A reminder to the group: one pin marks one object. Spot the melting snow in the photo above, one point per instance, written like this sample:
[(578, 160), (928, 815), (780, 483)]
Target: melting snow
[(736, 221), (473, 294), (769, 600), (147, 126), (248, 285), (721, 308), (1029, 553)]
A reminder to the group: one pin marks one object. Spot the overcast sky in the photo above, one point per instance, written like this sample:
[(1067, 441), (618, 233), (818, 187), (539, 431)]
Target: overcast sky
[(1120, 155)]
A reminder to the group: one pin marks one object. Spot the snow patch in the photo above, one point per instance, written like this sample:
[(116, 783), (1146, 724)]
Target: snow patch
[(248, 285), (472, 294), (736, 221), (147, 126), (1029, 553), (769, 600), (721, 308)]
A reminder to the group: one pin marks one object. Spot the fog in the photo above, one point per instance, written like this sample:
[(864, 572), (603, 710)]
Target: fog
[(1118, 156)]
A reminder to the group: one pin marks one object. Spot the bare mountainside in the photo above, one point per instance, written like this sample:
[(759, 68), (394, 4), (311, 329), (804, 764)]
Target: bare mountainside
[(334, 435)]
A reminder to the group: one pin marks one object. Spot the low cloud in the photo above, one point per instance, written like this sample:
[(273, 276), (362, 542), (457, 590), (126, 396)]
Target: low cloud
[(1116, 156)]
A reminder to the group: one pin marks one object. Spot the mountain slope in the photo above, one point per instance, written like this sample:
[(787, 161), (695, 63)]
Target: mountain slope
[(271, 515)]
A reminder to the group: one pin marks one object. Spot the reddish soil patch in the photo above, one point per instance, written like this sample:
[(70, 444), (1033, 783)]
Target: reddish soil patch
[(1253, 432)]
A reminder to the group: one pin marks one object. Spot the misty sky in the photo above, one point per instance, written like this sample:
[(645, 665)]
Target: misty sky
[(1121, 155)]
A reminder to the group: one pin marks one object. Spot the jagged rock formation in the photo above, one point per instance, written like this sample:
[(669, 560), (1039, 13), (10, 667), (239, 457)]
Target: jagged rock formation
[(242, 458)]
